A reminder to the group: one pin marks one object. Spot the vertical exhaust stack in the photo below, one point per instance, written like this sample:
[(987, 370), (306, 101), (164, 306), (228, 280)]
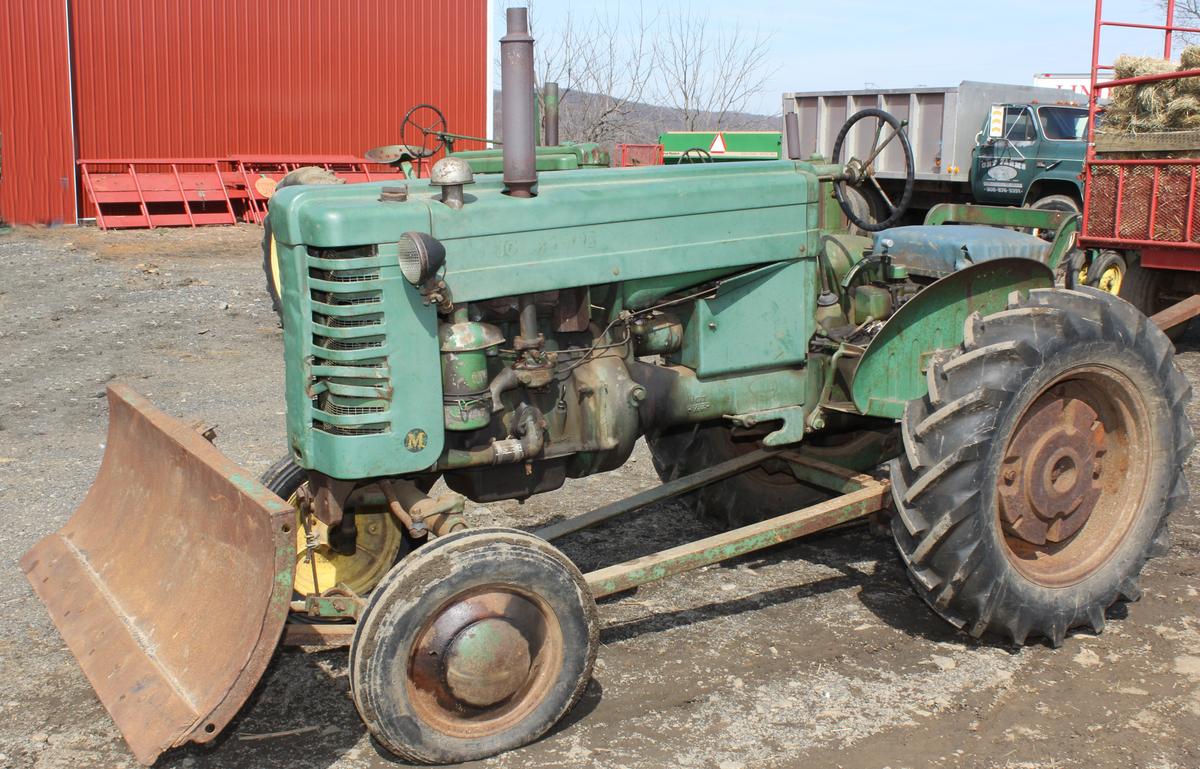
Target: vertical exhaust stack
[(517, 105), (791, 128), (550, 96)]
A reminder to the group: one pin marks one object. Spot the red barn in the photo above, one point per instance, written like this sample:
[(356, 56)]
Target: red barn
[(213, 78)]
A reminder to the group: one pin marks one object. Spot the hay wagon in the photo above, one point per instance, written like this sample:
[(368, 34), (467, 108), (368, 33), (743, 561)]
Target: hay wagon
[(1141, 227)]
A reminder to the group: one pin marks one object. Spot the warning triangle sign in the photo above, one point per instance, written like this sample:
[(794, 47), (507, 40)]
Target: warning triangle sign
[(718, 145)]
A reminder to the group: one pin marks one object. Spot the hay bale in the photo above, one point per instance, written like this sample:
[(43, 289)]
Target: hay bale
[(1140, 108), (1184, 111), (1190, 57), (1136, 66), (1163, 107)]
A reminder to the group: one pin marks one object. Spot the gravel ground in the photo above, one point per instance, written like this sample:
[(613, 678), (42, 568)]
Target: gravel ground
[(812, 654)]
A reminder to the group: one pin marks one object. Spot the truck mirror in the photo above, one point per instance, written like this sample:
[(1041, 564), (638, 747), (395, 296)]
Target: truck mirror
[(996, 124)]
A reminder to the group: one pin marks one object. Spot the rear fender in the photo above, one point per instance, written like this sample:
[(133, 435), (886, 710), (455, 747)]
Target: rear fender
[(892, 370)]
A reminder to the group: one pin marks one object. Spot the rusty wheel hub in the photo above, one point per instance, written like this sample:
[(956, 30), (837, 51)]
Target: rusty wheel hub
[(1073, 477), (1051, 477), (484, 661), (487, 662)]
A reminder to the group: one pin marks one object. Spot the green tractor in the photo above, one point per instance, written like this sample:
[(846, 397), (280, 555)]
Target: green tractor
[(1023, 443)]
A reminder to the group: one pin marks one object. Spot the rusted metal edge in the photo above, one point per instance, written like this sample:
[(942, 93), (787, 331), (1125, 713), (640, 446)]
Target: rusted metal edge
[(317, 634), (130, 658), (730, 544)]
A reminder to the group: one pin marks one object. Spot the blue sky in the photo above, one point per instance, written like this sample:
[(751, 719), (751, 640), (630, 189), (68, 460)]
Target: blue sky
[(890, 44)]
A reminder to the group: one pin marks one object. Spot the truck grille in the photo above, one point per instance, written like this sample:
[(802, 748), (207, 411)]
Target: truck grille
[(349, 382)]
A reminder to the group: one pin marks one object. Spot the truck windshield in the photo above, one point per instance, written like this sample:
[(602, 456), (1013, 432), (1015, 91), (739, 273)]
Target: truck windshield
[(1063, 123)]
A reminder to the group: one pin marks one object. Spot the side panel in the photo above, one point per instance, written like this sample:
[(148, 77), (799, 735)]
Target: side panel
[(761, 320), (37, 161), (213, 78)]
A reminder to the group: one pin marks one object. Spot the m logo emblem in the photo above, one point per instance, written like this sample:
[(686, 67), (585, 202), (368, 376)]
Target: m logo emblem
[(416, 439)]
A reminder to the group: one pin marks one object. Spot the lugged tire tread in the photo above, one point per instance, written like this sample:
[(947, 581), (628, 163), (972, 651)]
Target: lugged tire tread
[(941, 529), (944, 439)]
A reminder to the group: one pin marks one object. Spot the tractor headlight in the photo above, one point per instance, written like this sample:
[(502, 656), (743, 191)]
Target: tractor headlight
[(421, 256)]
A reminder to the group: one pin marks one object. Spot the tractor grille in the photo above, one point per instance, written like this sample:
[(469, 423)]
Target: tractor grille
[(350, 378)]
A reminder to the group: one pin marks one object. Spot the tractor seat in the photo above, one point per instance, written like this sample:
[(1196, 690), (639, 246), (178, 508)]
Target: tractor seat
[(939, 250)]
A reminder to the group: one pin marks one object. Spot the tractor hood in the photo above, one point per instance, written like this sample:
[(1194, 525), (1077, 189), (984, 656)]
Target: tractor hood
[(605, 224)]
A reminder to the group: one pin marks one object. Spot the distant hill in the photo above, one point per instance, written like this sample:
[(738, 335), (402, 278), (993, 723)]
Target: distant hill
[(642, 124)]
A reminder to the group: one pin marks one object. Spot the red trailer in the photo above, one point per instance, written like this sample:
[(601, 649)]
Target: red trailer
[(1141, 227)]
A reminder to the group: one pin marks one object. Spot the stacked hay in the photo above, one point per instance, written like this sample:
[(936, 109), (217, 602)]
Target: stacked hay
[(1168, 105)]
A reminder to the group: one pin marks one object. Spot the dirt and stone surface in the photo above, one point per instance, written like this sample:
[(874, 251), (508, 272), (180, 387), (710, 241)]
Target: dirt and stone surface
[(813, 654)]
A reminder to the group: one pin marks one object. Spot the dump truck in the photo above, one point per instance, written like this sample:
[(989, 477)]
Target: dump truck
[(1024, 444), (986, 143)]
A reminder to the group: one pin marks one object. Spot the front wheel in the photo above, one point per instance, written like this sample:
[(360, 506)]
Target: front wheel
[(475, 644), (1039, 470), (378, 540)]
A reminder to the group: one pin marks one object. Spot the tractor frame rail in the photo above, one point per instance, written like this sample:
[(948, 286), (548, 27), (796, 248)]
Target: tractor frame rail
[(858, 496)]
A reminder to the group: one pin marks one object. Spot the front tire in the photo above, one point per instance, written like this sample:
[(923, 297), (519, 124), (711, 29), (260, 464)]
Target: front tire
[(379, 540), (1039, 469), (477, 643)]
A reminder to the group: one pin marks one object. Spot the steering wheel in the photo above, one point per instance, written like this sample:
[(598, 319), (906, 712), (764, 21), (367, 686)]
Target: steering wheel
[(861, 173), (695, 155), (420, 123)]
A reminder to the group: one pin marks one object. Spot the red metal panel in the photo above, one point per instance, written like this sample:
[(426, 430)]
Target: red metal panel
[(37, 167), (230, 77)]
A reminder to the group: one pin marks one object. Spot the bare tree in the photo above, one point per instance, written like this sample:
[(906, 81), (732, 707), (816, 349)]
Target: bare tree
[(610, 60), (605, 61), (708, 74), (1187, 14)]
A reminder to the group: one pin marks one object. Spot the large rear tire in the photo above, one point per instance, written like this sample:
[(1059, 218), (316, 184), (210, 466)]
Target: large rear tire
[(1039, 470)]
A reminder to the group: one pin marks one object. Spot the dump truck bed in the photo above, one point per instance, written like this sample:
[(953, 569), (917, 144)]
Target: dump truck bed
[(942, 122)]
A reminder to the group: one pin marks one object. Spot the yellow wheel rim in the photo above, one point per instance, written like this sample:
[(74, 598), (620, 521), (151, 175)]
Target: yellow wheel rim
[(1110, 280), (275, 268), (378, 543), (1082, 279)]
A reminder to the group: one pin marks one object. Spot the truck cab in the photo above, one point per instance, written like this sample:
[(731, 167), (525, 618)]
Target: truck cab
[(1030, 155)]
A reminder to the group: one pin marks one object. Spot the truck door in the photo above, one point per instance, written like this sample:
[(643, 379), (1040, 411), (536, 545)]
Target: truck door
[(1004, 156)]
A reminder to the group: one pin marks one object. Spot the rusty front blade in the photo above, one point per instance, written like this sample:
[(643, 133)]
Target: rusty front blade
[(171, 582)]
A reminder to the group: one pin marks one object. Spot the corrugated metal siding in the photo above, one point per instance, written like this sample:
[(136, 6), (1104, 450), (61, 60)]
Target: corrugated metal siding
[(220, 77), (37, 169), (212, 78)]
